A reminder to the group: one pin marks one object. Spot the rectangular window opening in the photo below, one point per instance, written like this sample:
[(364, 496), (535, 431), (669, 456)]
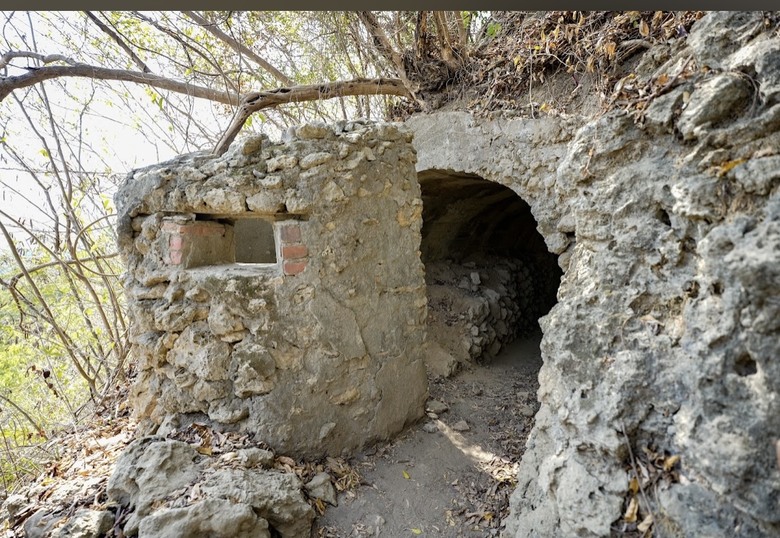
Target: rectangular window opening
[(254, 241), (221, 240)]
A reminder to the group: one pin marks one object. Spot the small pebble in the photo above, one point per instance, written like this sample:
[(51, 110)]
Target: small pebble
[(437, 407), (461, 426), (430, 427)]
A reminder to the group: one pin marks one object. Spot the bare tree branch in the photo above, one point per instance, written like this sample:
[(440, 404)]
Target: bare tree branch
[(6, 58), (36, 75), (239, 47), (119, 41), (463, 36), (259, 100), (384, 46), (187, 47)]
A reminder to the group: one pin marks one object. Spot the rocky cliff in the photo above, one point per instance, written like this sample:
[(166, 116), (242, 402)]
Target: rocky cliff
[(659, 389)]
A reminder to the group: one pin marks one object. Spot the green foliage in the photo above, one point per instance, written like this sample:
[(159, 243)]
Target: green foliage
[(493, 29)]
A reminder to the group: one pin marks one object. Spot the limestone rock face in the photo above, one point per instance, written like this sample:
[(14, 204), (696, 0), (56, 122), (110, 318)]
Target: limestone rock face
[(171, 490), (316, 345), (666, 335)]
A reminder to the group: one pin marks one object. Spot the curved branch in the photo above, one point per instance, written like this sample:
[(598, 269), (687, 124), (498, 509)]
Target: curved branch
[(6, 58), (255, 101), (239, 47), (36, 75), (25, 414)]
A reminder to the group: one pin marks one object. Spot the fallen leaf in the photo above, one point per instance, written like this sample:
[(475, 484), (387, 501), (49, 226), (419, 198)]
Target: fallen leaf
[(286, 460), (416, 531), (633, 485), (765, 152), (646, 524), (662, 79), (205, 450), (644, 29), (670, 462), (633, 507), (610, 49), (726, 167), (406, 475)]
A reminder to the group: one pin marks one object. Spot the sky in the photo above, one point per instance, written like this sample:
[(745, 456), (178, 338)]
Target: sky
[(121, 139)]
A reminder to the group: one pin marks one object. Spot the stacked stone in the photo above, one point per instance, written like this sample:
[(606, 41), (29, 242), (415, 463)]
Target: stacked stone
[(232, 344), (503, 299)]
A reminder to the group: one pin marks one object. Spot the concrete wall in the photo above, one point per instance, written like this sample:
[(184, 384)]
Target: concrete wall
[(318, 352)]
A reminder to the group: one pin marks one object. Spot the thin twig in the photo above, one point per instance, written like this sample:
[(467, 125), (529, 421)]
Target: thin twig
[(635, 469)]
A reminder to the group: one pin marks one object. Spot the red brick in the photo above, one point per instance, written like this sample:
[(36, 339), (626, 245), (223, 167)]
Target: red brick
[(294, 267), (172, 227), (291, 233), (176, 242), (174, 257), (294, 252)]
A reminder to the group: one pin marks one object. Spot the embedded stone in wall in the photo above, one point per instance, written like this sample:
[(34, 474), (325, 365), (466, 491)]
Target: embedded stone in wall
[(315, 343)]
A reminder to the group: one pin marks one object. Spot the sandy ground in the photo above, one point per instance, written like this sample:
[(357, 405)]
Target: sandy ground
[(434, 480)]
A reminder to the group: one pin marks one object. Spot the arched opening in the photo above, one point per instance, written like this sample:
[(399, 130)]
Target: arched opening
[(489, 274)]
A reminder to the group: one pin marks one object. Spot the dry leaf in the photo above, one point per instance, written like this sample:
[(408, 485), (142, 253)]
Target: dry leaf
[(646, 524), (633, 507), (644, 29), (764, 152), (662, 79), (406, 475), (670, 462), (633, 485), (610, 49), (286, 460), (416, 531), (726, 167), (205, 450)]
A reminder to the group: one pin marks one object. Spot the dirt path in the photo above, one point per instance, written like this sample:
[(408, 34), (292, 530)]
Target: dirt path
[(437, 481)]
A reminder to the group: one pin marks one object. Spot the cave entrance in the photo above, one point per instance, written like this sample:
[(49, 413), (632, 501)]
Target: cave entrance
[(488, 272)]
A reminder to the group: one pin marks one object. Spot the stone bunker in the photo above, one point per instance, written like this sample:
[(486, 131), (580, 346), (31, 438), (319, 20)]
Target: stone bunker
[(660, 365), (489, 274), (279, 290)]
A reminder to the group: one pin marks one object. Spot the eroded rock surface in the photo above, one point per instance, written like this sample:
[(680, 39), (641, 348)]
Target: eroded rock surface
[(661, 353), (172, 490)]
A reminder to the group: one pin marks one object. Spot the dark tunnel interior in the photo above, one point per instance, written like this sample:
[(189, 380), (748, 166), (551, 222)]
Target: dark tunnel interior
[(487, 267)]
